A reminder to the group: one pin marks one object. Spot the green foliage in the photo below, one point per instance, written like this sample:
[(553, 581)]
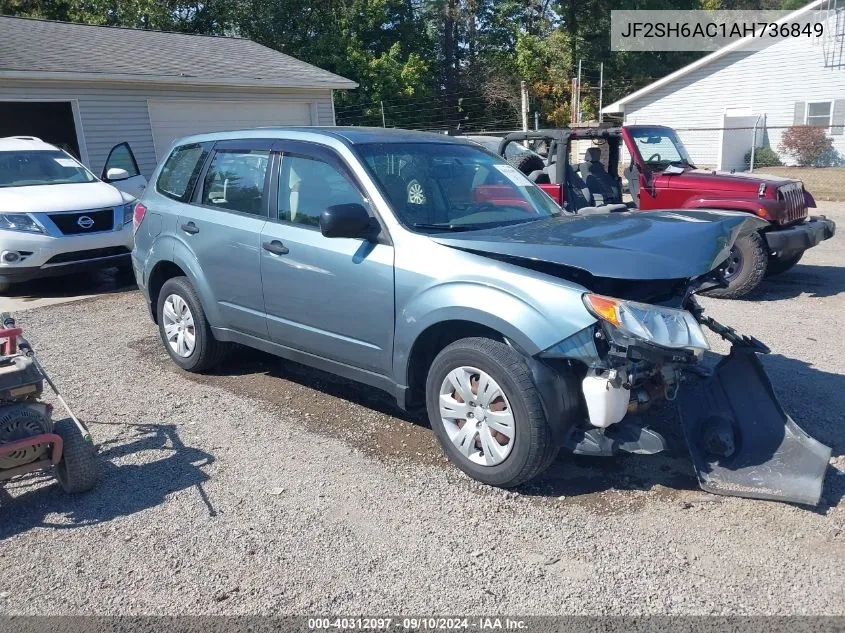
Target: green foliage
[(763, 157), (808, 145), (431, 63)]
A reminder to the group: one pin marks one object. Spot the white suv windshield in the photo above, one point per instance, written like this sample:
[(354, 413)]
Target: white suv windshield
[(450, 186), (21, 169)]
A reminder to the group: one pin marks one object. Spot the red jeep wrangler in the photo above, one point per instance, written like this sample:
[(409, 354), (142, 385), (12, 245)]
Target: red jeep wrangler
[(661, 176)]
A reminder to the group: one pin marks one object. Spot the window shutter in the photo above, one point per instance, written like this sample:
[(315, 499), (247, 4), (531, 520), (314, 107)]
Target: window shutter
[(798, 119), (838, 117)]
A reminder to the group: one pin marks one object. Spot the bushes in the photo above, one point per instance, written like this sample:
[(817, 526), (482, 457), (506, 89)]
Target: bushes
[(809, 146), (763, 157)]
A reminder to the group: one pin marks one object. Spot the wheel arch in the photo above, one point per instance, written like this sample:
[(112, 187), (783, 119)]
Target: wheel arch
[(181, 263), (449, 312), (429, 343)]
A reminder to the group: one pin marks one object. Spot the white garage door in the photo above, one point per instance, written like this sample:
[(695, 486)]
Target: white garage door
[(173, 119)]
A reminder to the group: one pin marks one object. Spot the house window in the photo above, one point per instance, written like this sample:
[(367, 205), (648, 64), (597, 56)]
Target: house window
[(818, 113)]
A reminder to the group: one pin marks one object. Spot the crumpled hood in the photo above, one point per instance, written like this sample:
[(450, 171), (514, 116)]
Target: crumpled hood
[(633, 245)]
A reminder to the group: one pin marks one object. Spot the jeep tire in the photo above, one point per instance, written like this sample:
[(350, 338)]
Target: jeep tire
[(745, 268)]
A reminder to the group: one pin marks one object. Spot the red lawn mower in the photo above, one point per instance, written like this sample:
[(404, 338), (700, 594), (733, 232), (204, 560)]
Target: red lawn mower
[(29, 439)]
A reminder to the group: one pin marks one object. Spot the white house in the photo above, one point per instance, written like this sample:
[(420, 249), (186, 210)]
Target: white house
[(89, 88), (788, 83)]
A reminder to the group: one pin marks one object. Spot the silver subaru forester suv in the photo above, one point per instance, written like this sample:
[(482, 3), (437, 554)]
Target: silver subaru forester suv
[(427, 267)]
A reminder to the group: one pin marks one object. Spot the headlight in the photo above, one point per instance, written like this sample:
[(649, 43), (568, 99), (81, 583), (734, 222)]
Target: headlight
[(19, 222), (128, 212), (667, 327)]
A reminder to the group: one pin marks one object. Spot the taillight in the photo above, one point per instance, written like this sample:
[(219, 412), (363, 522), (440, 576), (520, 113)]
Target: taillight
[(138, 216)]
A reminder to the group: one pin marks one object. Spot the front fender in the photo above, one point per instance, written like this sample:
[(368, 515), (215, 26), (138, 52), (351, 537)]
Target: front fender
[(530, 328)]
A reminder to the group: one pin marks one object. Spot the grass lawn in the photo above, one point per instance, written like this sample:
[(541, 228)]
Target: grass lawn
[(825, 183)]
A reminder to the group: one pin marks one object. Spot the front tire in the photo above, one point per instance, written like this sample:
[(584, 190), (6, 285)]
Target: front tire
[(184, 330), (486, 413), (745, 269)]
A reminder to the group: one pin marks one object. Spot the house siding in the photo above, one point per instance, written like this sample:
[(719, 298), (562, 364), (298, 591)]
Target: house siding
[(112, 113), (769, 82)]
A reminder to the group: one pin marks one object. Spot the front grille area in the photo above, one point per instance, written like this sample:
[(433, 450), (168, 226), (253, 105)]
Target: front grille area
[(68, 223), (793, 199), (93, 253)]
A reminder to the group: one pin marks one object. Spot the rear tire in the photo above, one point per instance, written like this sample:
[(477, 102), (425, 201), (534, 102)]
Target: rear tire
[(526, 162), (533, 448), (749, 259), (206, 352), (78, 470), (778, 265)]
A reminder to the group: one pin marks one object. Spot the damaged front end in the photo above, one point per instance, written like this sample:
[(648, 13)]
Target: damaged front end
[(635, 355)]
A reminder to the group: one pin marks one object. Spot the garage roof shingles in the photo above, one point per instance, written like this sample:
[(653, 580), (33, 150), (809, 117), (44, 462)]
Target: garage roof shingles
[(42, 46)]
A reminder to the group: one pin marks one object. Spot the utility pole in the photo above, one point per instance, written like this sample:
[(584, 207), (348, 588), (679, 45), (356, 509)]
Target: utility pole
[(573, 105), (383, 124), (523, 88), (536, 120), (578, 110), (601, 90)]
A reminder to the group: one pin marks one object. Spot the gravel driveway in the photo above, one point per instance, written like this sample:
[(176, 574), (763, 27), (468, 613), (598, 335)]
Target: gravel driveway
[(270, 488)]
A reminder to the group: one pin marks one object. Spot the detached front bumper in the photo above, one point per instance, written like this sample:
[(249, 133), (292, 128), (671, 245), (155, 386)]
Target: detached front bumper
[(797, 239), (742, 442)]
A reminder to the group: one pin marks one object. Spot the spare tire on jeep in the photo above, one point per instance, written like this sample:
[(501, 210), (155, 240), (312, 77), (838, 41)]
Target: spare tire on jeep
[(527, 162)]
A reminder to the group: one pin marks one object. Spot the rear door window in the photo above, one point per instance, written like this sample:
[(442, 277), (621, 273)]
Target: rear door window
[(236, 181), (181, 170)]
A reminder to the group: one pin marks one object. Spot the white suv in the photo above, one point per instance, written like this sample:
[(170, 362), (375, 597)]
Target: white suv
[(56, 217)]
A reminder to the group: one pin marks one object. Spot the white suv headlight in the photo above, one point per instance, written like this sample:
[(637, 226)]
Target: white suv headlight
[(667, 327), (19, 222)]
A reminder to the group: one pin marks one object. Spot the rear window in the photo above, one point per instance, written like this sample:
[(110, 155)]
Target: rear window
[(181, 170)]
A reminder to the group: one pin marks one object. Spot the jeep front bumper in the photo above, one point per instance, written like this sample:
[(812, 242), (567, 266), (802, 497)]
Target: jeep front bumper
[(798, 238)]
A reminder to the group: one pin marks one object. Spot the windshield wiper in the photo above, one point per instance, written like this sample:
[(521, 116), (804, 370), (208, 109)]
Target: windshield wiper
[(446, 227)]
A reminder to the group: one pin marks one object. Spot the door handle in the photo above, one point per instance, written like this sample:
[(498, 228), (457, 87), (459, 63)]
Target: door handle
[(190, 228), (275, 247)]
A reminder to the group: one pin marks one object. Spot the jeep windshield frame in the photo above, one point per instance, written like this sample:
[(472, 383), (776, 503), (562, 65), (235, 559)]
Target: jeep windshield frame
[(658, 147), (441, 187)]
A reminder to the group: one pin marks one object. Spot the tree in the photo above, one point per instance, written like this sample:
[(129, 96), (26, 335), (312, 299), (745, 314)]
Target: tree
[(807, 144)]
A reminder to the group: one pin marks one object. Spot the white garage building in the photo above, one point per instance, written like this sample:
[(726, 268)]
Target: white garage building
[(716, 102), (89, 88)]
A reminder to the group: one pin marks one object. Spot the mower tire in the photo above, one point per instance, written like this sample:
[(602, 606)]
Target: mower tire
[(78, 470)]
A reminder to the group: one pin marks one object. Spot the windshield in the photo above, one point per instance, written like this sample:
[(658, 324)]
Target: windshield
[(21, 169), (453, 187), (660, 147)]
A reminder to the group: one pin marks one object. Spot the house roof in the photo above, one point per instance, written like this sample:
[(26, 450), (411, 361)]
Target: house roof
[(619, 106), (43, 49)]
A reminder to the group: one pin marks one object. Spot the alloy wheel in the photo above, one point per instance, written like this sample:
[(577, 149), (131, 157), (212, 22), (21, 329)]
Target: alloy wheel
[(178, 325), (477, 416)]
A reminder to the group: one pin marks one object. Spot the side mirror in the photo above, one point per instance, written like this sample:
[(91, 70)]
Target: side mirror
[(115, 173), (347, 220)]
